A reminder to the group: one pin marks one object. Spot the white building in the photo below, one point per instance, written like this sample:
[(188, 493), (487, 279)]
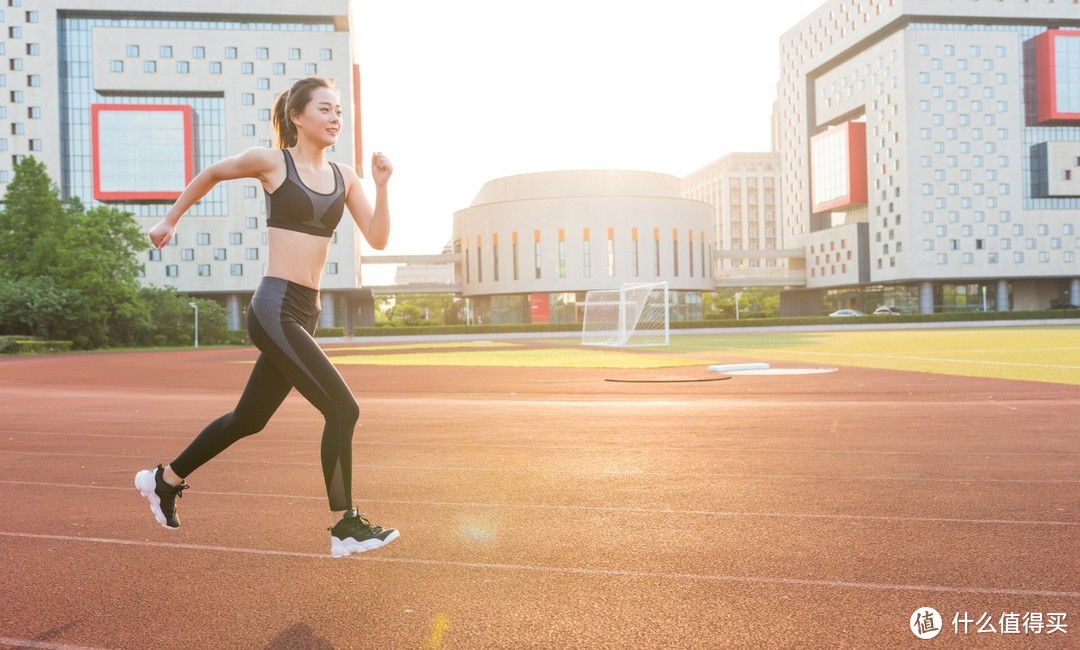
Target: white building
[(125, 101), (747, 234), (929, 152), (530, 246)]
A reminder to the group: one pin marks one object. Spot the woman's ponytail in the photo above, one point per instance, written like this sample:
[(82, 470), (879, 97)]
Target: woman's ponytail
[(284, 129)]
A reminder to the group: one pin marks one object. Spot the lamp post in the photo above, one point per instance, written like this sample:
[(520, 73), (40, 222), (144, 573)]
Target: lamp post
[(738, 294), (194, 305)]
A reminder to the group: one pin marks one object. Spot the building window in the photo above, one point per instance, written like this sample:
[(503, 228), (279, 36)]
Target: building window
[(35, 144), (514, 255), (203, 239), (219, 254), (155, 255), (247, 67), (204, 270), (172, 270), (536, 254), (586, 255), (230, 53), (331, 268), (634, 255), (198, 52), (675, 253), (311, 69), (149, 66), (34, 112), (279, 69), (215, 67), (294, 54), (656, 251), (251, 254), (251, 223), (133, 51), (116, 65), (165, 52), (479, 261), (187, 254), (562, 253), (236, 269), (249, 130), (495, 258), (263, 83), (183, 67), (326, 54), (262, 53), (247, 99)]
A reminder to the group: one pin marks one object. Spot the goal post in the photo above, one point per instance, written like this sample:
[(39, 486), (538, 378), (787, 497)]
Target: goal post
[(636, 314)]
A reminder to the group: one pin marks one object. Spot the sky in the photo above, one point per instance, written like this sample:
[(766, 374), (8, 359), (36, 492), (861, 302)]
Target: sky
[(457, 93)]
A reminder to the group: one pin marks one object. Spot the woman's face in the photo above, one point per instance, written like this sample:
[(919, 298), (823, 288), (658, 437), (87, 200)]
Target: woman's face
[(321, 120)]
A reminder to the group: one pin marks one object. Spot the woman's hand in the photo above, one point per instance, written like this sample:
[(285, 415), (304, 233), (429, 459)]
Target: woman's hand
[(162, 233), (381, 168)]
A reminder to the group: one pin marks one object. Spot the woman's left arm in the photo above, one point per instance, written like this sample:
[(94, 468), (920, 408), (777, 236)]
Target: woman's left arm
[(374, 222)]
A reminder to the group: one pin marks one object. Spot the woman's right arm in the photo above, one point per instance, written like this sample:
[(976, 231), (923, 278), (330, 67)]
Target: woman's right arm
[(257, 162)]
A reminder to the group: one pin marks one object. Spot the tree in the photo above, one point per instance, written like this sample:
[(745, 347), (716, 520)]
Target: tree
[(31, 222), (99, 261)]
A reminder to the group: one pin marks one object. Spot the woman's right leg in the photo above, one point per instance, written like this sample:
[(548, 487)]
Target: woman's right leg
[(265, 391)]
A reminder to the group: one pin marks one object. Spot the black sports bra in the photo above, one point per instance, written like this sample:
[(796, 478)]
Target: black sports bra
[(295, 206)]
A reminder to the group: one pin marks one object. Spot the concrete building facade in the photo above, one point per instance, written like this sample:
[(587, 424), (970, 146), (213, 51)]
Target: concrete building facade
[(125, 101), (928, 149)]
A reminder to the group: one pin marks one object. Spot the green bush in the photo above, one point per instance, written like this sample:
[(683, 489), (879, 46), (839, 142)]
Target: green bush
[(330, 332)]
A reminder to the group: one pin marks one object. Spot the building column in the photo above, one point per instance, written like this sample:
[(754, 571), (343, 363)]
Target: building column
[(328, 301), (235, 312), (1074, 292), (1003, 295), (926, 297)]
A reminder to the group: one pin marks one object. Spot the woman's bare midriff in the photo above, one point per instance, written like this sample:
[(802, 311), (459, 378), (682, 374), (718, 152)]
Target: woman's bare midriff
[(296, 256)]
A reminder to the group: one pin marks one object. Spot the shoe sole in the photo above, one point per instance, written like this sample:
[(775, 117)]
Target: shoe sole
[(145, 483), (349, 546)]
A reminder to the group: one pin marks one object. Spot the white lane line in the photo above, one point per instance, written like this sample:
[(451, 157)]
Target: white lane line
[(587, 472), (628, 573), (47, 645), (695, 449), (606, 509)]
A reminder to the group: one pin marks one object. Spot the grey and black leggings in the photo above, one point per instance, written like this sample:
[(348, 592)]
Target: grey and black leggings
[(281, 321)]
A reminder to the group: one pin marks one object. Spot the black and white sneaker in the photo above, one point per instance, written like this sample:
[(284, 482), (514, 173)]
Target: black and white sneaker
[(355, 534), (161, 495)]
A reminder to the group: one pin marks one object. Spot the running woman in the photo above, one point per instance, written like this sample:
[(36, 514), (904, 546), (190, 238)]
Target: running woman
[(305, 198)]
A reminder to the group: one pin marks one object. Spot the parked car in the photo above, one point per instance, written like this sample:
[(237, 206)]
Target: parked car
[(847, 312), (887, 310)]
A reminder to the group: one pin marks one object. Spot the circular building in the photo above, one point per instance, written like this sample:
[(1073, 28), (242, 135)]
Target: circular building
[(531, 246)]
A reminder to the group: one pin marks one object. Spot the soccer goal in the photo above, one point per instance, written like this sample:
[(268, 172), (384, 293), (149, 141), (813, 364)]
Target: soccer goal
[(636, 314)]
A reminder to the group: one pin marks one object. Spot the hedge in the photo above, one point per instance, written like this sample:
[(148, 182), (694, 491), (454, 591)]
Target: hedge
[(19, 345)]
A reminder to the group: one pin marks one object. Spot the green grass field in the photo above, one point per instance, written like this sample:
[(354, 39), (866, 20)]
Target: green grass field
[(1048, 354)]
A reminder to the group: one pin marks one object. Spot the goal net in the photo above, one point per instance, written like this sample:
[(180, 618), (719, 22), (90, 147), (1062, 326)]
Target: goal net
[(636, 314)]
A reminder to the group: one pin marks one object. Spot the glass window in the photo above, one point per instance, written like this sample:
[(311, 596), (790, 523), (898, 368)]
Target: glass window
[(215, 67), (294, 54), (247, 67), (133, 51), (198, 52), (279, 68), (116, 65), (247, 99), (251, 253), (311, 68), (230, 53), (331, 268), (326, 54), (149, 66), (204, 270), (187, 254), (236, 238), (262, 53), (203, 239), (172, 271), (183, 67), (219, 254), (165, 52), (263, 83), (236, 269)]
